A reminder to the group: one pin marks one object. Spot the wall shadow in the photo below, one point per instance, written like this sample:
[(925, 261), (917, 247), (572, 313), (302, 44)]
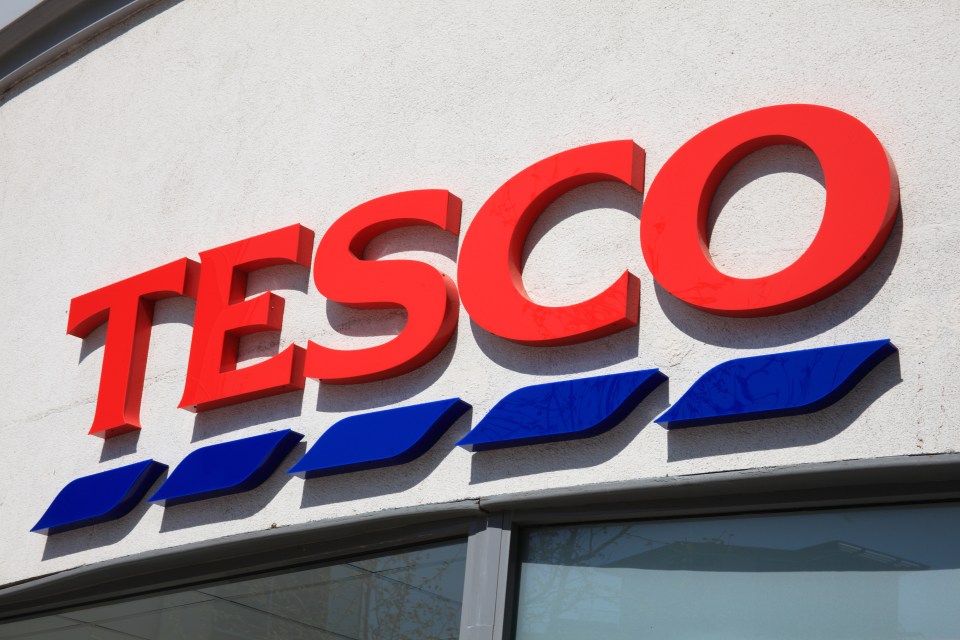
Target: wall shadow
[(784, 433), (497, 464), (215, 422), (291, 277), (119, 446), (336, 398), (178, 310), (357, 485), (596, 195), (786, 158), (238, 506), (365, 323), (418, 238), (622, 346), (98, 535), (94, 341)]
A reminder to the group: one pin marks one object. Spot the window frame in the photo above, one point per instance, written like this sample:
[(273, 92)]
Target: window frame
[(875, 482), (491, 527)]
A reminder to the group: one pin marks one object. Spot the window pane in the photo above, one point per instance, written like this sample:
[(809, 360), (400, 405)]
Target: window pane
[(414, 594), (869, 573)]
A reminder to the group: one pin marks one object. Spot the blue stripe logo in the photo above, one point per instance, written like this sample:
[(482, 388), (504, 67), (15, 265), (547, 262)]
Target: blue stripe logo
[(776, 384), (765, 386), (230, 467), (380, 438), (100, 497), (562, 410)]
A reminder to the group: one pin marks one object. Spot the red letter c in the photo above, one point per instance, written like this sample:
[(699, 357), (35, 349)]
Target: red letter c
[(491, 287)]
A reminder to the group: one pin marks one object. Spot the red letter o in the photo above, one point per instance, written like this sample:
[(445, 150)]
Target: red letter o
[(861, 204)]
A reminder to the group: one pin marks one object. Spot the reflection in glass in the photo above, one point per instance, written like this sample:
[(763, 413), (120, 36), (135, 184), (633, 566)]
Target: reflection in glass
[(871, 574), (415, 594)]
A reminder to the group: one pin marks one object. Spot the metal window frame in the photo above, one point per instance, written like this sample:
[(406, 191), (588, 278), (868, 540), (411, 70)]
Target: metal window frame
[(491, 526), (892, 481), (54, 28), (235, 557)]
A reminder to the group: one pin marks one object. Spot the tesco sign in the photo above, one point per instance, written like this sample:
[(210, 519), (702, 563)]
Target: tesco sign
[(862, 195)]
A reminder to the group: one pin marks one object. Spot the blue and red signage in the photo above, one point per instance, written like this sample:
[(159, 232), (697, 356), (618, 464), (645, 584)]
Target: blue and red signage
[(766, 386), (862, 202)]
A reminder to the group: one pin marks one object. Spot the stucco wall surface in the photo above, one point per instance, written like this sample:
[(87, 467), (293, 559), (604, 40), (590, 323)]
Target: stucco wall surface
[(202, 122)]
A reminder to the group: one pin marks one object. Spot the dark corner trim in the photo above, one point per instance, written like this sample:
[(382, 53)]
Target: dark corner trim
[(51, 29)]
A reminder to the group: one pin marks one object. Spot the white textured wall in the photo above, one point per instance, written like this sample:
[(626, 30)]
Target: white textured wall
[(205, 121)]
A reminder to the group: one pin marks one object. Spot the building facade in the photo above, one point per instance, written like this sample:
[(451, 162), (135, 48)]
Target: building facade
[(790, 469)]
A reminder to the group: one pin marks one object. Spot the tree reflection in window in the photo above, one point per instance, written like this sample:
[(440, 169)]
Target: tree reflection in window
[(867, 573), (415, 594)]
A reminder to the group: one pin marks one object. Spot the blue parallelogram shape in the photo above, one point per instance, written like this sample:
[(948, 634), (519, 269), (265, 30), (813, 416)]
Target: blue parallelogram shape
[(225, 468), (776, 384), (562, 410), (380, 438), (100, 497)]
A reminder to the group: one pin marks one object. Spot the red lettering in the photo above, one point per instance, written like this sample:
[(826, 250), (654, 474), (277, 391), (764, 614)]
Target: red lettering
[(430, 298), (489, 277), (127, 308), (862, 198), (223, 316)]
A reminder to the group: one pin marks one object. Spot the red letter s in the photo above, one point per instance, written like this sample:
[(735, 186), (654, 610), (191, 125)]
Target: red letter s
[(429, 297)]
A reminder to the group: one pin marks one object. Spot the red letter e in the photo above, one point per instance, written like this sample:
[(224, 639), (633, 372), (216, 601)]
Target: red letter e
[(223, 316)]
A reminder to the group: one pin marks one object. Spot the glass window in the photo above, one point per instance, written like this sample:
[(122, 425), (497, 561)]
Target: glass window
[(870, 574), (414, 594)]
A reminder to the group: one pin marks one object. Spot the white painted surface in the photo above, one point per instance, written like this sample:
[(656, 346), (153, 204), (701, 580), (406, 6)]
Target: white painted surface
[(208, 121)]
